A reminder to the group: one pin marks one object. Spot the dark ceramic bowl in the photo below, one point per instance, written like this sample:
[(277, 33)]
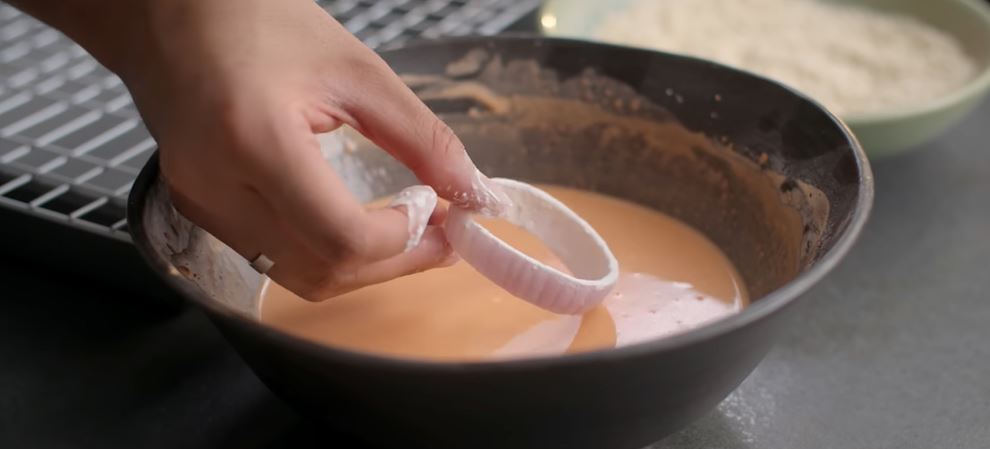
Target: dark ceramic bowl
[(773, 179)]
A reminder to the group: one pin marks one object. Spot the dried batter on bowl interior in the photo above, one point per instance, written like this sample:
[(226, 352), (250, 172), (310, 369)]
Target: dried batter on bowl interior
[(674, 279)]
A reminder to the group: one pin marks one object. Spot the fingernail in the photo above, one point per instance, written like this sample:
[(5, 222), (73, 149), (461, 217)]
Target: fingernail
[(490, 198), (418, 202)]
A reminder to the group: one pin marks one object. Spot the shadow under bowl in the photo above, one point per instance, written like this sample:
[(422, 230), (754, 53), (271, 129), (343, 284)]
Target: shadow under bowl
[(779, 184)]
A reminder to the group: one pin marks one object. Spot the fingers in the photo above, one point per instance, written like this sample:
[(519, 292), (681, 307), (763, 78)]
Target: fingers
[(321, 281), (433, 251), (240, 153), (354, 246), (286, 202), (246, 223), (386, 111), (314, 202), (250, 226)]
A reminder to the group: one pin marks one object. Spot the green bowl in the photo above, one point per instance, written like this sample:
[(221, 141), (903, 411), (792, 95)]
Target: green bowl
[(881, 133)]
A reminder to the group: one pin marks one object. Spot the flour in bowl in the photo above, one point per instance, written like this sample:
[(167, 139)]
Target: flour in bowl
[(851, 58)]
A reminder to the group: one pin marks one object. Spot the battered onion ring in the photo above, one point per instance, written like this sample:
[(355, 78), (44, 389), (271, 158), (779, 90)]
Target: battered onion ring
[(595, 270)]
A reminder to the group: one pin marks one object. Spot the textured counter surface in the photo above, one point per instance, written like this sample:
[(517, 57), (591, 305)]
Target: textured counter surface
[(890, 351)]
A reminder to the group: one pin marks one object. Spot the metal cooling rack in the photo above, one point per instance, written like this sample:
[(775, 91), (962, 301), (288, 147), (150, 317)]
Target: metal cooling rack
[(71, 141)]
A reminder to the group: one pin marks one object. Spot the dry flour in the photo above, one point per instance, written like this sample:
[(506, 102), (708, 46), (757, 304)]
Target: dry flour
[(853, 59)]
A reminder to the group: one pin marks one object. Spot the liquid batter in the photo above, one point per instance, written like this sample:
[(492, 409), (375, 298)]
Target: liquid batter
[(673, 279)]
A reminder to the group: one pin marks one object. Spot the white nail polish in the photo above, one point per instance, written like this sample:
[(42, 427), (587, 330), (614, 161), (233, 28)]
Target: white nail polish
[(419, 202)]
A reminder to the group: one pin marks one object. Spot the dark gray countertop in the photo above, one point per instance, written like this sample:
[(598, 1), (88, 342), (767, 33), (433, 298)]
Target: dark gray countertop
[(892, 350)]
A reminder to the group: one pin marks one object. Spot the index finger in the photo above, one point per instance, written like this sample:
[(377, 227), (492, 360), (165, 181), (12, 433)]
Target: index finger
[(388, 113)]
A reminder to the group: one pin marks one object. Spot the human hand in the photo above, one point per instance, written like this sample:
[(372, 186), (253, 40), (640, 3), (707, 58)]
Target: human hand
[(235, 93)]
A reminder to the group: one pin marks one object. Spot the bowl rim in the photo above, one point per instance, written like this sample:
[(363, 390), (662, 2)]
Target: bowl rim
[(758, 310), (974, 88)]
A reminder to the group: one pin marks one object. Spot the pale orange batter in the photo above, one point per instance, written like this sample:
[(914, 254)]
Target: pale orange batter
[(673, 279)]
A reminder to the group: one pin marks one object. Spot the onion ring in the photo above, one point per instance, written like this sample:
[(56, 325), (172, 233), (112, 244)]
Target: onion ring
[(595, 270)]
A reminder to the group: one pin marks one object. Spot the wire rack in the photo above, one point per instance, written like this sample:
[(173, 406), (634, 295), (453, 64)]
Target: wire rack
[(71, 141)]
